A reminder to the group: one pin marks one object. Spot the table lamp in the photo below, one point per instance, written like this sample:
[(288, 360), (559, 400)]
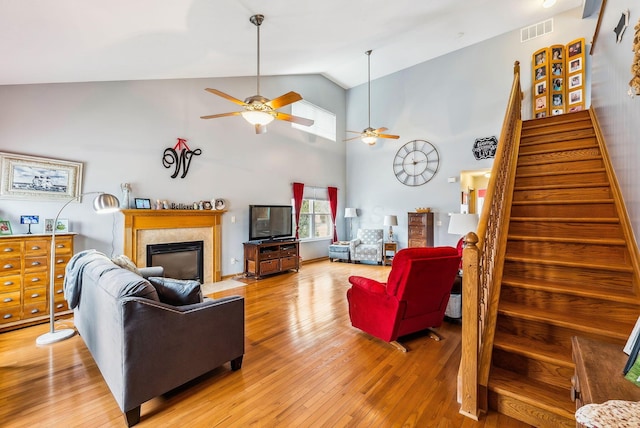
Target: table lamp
[(350, 213), (390, 220), (103, 203)]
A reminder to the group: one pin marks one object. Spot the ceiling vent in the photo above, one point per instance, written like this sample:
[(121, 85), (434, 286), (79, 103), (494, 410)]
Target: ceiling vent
[(536, 30)]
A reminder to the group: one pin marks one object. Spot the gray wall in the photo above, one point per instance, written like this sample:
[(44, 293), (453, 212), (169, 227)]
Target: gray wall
[(120, 130), (449, 101), (618, 113)]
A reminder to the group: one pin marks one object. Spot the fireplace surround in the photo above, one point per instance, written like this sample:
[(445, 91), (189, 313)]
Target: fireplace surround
[(145, 227)]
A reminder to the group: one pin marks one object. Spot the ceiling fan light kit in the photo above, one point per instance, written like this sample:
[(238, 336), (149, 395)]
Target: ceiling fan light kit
[(369, 135), (258, 110)]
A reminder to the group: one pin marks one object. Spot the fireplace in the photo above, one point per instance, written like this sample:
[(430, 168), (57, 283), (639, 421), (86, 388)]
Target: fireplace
[(180, 260)]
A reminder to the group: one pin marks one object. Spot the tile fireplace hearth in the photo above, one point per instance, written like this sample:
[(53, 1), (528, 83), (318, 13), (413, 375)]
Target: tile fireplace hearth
[(147, 227)]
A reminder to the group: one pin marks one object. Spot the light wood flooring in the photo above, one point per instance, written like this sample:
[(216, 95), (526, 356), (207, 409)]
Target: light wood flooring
[(305, 366)]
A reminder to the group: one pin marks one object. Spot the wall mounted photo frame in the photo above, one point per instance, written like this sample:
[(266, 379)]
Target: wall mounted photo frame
[(575, 65), (143, 204), (5, 227), (575, 81), (38, 178)]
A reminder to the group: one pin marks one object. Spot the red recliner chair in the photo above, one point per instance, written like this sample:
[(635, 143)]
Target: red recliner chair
[(414, 298)]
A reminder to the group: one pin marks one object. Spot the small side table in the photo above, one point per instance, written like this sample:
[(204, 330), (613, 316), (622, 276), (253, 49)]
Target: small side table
[(389, 246)]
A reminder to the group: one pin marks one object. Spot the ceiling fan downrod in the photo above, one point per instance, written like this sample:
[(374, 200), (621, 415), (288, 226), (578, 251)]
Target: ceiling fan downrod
[(369, 84), (257, 21)]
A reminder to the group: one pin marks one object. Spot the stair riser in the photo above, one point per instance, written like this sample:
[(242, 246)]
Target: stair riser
[(557, 164), (539, 371), (558, 148), (566, 251), (573, 117), (556, 134), (583, 307), (578, 194), (554, 229), (524, 412), (580, 178), (620, 282), (573, 210)]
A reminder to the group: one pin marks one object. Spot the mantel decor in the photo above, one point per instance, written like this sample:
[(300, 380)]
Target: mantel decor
[(31, 177)]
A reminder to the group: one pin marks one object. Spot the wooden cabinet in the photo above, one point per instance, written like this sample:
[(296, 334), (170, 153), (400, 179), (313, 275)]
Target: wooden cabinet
[(270, 257), (598, 373), (420, 230), (24, 278)]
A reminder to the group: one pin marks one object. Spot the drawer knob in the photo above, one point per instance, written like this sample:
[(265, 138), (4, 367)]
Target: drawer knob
[(7, 316), (59, 291), (60, 246), (35, 247), (60, 306), (35, 311), (35, 263), (8, 266), (35, 279), (59, 261), (8, 283), (8, 299), (34, 295), (60, 276), (8, 250)]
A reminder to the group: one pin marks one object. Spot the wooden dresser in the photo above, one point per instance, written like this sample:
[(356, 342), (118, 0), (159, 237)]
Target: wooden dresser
[(24, 278), (420, 230), (598, 373)]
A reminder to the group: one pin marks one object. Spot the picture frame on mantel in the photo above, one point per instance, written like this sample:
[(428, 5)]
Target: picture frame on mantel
[(39, 178)]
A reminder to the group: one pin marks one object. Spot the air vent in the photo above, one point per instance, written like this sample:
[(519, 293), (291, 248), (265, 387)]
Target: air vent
[(536, 30)]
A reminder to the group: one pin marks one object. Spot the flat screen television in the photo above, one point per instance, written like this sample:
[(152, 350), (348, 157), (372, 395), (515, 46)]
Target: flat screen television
[(268, 222)]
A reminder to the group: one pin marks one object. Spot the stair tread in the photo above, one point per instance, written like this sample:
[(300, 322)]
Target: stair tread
[(565, 202), (562, 172), (560, 186), (542, 238), (582, 289), (594, 324), (588, 264), (548, 397), (612, 220), (535, 349)]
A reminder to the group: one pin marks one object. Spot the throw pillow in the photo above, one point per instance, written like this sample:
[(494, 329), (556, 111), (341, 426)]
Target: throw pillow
[(125, 263), (177, 292)]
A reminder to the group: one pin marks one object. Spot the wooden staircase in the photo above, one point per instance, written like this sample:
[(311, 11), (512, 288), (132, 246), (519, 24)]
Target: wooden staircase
[(567, 270)]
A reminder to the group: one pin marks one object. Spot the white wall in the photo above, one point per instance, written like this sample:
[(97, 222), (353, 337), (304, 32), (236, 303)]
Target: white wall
[(449, 101), (619, 114), (119, 130)]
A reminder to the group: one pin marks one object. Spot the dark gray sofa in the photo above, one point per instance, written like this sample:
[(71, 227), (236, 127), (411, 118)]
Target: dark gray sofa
[(142, 346)]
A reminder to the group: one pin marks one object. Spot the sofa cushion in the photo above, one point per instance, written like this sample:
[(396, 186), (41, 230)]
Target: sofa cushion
[(177, 292), (125, 263), (120, 283)]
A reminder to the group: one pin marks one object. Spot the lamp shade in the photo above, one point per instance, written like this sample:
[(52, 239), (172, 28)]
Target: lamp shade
[(461, 224), (350, 213), (390, 220), (106, 203)]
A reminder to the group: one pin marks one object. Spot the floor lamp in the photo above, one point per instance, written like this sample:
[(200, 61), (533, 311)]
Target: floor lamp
[(103, 203), (350, 213)]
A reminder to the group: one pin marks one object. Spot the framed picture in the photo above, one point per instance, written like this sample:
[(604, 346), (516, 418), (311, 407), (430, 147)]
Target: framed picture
[(575, 65), (30, 177), (541, 103), (575, 49), (556, 69), (557, 84), (575, 81), (541, 72), (575, 97), (143, 204), (48, 225), (556, 111), (556, 54), (575, 108), (5, 227), (541, 58), (541, 88), (557, 100)]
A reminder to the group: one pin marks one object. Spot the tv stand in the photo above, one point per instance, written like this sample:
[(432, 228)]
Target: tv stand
[(266, 258)]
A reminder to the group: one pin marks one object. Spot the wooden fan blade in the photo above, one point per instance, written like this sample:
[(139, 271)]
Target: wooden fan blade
[(294, 119), (226, 96), (213, 116), (395, 137), (283, 100), (379, 130)]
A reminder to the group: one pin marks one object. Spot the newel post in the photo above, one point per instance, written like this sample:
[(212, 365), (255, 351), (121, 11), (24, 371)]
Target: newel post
[(468, 376)]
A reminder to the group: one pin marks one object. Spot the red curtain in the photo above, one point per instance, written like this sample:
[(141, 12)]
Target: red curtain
[(333, 203), (298, 192)]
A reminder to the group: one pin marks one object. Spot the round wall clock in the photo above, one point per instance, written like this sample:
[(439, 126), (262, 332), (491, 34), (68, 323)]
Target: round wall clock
[(416, 163)]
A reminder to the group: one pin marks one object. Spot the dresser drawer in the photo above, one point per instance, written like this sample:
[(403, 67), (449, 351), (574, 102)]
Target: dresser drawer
[(36, 248), (35, 264), (10, 313), (288, 263), (10, 283), (417, 219), (62, 259), (416, 243), (269, 266), (64, 244), (10, 249), (61, 306), (35, 295), (35, 310), (10, 299), (417, 232), (10, 266), (35, 279)]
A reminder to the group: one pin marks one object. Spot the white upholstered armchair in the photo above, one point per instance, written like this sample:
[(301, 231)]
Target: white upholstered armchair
[(367, 246)]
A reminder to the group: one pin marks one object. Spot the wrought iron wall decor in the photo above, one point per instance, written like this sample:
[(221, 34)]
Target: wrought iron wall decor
[(179, 157)]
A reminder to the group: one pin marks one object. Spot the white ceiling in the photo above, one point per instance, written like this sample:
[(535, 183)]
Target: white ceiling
[(43, 41)]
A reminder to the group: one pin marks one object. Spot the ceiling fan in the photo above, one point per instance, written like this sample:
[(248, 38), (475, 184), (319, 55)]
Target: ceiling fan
[(370, 135), (258, 110)]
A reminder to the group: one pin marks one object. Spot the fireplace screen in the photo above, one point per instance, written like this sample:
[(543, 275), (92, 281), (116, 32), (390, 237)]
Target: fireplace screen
[(180, 260)]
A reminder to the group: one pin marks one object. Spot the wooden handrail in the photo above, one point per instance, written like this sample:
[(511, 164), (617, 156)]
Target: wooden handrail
[(483, 260)]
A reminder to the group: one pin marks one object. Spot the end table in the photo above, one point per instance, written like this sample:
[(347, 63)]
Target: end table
[(389, 247)]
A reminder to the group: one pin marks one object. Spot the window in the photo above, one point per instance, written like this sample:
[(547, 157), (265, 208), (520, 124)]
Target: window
[(315, 215), (324, 122)]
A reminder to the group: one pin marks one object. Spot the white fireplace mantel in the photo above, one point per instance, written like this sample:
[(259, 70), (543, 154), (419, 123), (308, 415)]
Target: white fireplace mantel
[(144, 227)]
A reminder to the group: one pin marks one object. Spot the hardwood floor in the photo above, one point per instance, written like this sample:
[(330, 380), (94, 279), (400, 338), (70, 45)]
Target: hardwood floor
[(305, 366)]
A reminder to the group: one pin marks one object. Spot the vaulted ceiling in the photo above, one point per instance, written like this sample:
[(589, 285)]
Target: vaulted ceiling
[(78, 41)]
